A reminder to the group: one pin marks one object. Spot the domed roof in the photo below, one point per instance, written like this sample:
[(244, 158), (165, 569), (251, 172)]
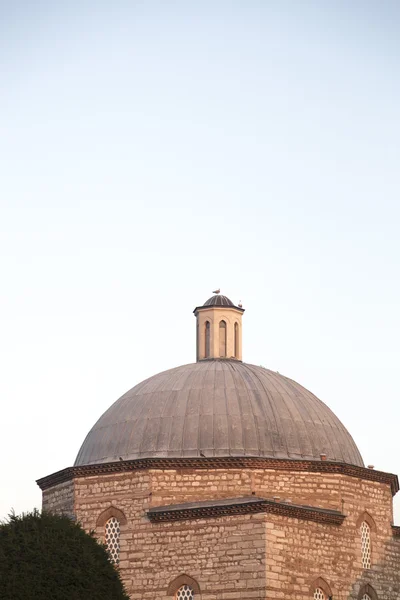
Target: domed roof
[(218, 408), (218, 300)]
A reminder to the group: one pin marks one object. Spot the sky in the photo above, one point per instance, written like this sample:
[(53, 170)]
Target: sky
[(151, 152)]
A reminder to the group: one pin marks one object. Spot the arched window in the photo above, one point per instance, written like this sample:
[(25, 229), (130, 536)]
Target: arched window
[(185, 593), (111, 538), (222, 339), (367, 592), (236, 340), (207, 340), (366, 526), (365, 532), (183, 587), (320, 589)]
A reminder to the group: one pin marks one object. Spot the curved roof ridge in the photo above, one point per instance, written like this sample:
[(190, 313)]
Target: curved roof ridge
[(218, 300), (333, 421), (289, 409), (277, 420), (222, 407)]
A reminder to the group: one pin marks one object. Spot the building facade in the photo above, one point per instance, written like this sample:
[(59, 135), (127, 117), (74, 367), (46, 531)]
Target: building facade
[(223, 480)]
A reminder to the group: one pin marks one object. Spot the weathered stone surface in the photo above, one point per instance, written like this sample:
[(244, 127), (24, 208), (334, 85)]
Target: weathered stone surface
[(60, 499), (218, 408), (244, 556)]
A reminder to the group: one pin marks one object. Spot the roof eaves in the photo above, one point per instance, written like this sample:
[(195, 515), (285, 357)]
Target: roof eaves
[(225, 462), (246, 505), (218, 306)]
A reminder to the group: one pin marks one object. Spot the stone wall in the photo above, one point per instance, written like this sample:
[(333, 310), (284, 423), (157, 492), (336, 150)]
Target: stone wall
[(60, 499), (299, 553), (225, 555), (243, 556), (323, 490), (129, 492)]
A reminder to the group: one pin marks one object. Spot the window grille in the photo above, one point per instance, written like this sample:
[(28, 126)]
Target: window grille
[(366, 597), (112, 532), (365, 545), (319, 594), (185, 593)]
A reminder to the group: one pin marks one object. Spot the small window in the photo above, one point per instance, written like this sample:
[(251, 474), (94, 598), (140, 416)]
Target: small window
[(185, 593), (367, 592), (320, 590), (207, 340), (365, 531), (222, 339), (236, 340), (112, 533), (183, 587)]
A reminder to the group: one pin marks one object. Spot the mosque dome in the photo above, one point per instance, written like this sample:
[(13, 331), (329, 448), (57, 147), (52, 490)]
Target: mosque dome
[(218, 407), (218, 300)]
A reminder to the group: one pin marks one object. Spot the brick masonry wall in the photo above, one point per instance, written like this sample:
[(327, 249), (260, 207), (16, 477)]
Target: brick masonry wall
[(247, 556)]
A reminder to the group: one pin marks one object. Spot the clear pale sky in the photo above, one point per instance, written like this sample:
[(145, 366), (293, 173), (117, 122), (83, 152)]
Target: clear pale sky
[(152, 151)]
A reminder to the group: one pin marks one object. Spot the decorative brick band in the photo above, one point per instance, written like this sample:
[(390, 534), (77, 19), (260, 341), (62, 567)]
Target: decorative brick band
[(243, 506), (228, 462)]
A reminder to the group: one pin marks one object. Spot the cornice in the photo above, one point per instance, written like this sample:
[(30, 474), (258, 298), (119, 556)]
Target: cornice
[(218, 307), (229, 462), (243, 506)]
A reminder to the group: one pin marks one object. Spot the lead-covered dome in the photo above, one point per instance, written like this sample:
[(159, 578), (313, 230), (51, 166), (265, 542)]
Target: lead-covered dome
[(218, 408), (218, 300)]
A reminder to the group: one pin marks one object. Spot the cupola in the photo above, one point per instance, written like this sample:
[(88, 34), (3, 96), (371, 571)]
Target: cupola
[(219, 329)]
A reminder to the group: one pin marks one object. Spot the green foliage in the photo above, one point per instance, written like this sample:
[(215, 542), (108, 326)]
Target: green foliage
[(48, 557)]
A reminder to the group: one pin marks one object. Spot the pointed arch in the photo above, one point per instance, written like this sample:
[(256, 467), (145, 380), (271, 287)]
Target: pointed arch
[(181, 580), (366, 527), (321, 584), (222, 339), (366, 517), (236, 340), (112, 539), (367, 590), (109, 512), (207, 337), (365, 540), (111, 520)]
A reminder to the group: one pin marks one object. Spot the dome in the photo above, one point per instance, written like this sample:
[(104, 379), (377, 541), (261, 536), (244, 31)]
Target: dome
[(218, 408), (218, 300)]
